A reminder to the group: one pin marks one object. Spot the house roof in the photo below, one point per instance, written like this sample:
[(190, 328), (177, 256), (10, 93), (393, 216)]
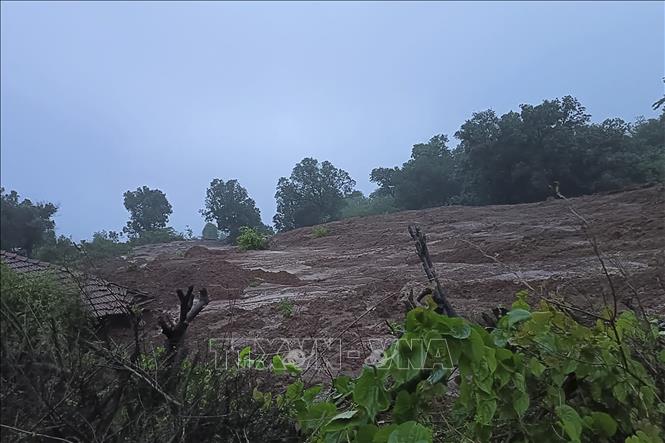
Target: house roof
[(100, 297)]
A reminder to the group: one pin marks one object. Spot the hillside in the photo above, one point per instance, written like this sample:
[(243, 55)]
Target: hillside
[(480, 253)]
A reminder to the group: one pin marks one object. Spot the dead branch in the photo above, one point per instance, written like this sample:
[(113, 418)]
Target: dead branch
[(189, 309), (439, 295)]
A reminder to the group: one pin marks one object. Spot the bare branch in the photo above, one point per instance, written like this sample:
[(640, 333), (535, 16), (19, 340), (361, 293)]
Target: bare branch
[(439, 296)]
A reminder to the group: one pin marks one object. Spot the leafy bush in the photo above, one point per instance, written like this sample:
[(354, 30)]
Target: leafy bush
[(60, 250), (286, 307), (320, 231), (539, 376), (161, 235), (250, 238), (62, 383), (105, 245), (210, 232), (359, 206)]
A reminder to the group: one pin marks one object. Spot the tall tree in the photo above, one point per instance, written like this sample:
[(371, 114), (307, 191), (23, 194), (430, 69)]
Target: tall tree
[(149, 210), (229, 205), (210, 232), (426, 180), (23, 224), (313, 194)]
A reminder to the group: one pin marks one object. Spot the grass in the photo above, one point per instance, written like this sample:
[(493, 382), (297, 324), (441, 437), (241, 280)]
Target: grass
[(320, 231)]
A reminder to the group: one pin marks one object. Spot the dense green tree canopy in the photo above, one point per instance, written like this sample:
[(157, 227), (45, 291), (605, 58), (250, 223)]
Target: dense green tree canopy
[(313, 194), (210, 232), (229, 205), (23, 224), (519, 156), (426, 180), (149, 210)]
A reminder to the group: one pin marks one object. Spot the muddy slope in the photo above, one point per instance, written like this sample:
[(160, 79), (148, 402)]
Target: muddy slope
[(483, 255)]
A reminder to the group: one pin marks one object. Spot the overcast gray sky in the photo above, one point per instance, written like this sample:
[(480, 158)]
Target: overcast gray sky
[(98, 98)]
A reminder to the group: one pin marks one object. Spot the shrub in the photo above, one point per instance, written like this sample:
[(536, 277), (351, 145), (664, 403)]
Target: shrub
[(360, 206), (540, 375), (60, 382), (320, 231), (249, 238), (105, 245), (161, 235), (210, 232), (286, 307)]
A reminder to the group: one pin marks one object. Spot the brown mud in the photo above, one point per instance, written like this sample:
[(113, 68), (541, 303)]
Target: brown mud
[(483, 255)]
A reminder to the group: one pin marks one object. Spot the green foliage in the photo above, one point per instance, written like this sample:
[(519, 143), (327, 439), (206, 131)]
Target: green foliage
[(250, 238), (24, 225), (154, 236), (539, 376), (60, 250), (426, 180), (210, 232), (104, 245), (320, 231), (63, 383), (312, 195), (520, 156), (357, 205), (286, 307), (229, 205), (40, 304), (149, 210)]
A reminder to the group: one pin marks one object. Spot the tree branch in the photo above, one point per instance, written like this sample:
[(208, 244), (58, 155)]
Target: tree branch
[(439, 295)]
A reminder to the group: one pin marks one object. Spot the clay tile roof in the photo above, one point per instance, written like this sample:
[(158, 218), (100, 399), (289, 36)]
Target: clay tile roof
[(100, 297)]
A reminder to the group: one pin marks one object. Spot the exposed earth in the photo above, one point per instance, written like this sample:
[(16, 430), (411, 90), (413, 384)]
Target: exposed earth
[(483, 256)]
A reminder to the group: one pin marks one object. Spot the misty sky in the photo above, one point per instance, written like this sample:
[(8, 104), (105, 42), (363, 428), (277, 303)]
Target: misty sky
[(98, 98)]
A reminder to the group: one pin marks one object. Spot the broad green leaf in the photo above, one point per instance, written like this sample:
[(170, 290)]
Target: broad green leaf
[(571, 422), (292, 368), (410, 432), (370, 392), (366, 433), (485, 411), (620, 392), (405, 407), (244, 353), (455, 327), (310, 393), (409, 359), (382, 434), (343, 384), (475, 350), (278, 365), (294, 391), (603, 424), (536, 367), (520, 402), (317, 415), (502, 354), (500, 337), (517, 315), (521, 303), (341, 421)]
